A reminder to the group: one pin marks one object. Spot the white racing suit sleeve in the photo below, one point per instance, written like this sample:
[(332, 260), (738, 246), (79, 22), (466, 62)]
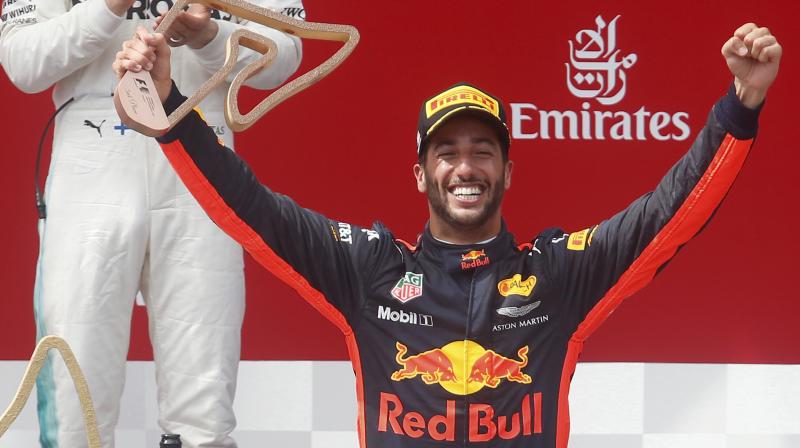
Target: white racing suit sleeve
[(44, 41), (290, 49)]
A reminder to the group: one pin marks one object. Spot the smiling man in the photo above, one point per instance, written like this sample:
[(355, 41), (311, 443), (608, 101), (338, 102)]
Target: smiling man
[(468, 338), (463, 163)]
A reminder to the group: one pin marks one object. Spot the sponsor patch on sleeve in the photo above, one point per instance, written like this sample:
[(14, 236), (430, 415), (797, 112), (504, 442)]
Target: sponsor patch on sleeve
[(333, 232), (591, 235), (577, 240)]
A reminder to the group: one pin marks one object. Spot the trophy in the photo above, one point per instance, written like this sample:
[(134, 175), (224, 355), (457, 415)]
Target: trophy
[(139, 107), (29, 379)]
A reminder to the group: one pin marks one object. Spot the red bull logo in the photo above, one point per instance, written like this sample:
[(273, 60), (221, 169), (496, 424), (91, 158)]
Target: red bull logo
[(473, 255), (474, 259), (461, 367), (434, 366), (484, 424), (490, 368)]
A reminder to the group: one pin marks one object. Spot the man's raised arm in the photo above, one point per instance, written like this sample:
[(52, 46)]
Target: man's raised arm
[(327, 262), (608, 262)]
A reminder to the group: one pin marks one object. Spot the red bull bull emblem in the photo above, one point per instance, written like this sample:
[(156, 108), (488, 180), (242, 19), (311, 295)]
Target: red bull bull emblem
[(434, 366), (408, 287), (461, 368), (474, 259)]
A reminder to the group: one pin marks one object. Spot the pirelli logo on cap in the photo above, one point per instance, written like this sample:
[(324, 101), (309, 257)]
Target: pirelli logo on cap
[(462, 95)]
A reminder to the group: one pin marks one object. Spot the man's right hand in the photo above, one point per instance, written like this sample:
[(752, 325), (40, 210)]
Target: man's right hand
[(119, 7), (753, 55), (150, 52), (193, 27)]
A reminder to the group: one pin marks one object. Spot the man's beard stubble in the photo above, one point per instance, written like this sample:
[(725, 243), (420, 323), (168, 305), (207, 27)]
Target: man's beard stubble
[(438, 202)]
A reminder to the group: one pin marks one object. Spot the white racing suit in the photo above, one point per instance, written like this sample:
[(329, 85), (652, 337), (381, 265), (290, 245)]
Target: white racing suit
[(119, 221)]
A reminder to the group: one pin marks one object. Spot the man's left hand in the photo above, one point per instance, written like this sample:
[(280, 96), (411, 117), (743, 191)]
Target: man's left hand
[(193, 27), (752, 55), (146, 51)]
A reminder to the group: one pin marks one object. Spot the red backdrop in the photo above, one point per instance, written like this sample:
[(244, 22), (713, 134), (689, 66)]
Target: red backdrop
[(346, 146)]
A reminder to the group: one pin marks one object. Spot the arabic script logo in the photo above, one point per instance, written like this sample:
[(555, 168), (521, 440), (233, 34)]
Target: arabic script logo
[(595, 69)]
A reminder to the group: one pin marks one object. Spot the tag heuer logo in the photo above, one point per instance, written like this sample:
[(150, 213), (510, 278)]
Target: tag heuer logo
[(408, 287)]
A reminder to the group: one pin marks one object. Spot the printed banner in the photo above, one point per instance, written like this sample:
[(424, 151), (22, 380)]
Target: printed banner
[(601, 101)]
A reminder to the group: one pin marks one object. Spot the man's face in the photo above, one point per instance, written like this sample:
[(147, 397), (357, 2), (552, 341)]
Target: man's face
[(464, 175)]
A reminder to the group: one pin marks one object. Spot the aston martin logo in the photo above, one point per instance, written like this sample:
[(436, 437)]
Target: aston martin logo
[(518, 311)]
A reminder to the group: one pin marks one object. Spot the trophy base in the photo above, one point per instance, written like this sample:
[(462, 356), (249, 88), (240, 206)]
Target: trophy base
[(139, 106)]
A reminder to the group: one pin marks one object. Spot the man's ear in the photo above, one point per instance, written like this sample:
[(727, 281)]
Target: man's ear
[(419, 174), (509, 168)]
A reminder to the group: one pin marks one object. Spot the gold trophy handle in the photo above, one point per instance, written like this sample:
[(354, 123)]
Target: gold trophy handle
[(29, 379), (137, 101)]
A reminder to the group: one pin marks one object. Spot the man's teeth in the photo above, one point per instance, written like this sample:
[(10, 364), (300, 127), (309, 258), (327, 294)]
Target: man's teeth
[(466, 191)]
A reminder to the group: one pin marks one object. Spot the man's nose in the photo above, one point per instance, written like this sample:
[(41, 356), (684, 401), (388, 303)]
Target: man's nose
[(464, 168)]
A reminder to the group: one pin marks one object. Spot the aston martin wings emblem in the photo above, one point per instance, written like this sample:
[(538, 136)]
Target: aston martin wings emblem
[(517, 311)]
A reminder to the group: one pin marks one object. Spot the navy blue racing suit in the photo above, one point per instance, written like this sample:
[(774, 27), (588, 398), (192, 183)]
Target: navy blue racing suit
[(464, 345)]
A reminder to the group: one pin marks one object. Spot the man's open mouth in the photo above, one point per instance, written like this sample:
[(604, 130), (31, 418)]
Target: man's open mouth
[(469, 193)]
